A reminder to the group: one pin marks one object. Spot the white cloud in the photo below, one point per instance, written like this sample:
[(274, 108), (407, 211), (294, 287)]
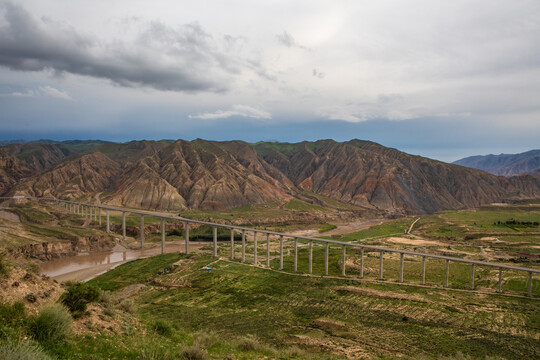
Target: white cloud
[(236, 110), (41, 91), (55, 93), (28, 93)]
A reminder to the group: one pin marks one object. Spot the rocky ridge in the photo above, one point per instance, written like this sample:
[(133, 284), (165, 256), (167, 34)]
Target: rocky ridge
[(222, 175)]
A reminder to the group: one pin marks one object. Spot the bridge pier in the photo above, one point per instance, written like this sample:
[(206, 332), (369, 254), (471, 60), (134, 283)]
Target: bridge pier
[(401, 267), (267, 250), (108, 221), (186, 237), (142, 231), (123, 225), (343, 259), (381, 266), (446, 275), (232, 244), (243, 245), (529, 292), (326, 249), (281, 252), (295, 254), (423, 270), (361, 263), (99, 210), (255, 247), (310, 256), (215, 241), (162, 236)]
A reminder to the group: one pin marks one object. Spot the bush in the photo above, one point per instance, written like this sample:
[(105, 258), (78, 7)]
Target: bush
[(128, 305), (107, 298), (12, 314), (4, 267), (53, 324), (205, 338), (163, 327), (249, 343), (33, 268), (78, 295), (24, 350), (194, 353)]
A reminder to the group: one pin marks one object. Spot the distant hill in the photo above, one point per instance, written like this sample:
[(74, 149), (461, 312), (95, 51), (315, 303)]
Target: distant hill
[(505, 164), (204, 174)]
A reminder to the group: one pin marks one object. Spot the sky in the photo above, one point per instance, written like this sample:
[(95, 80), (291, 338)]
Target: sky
[(442, 79)]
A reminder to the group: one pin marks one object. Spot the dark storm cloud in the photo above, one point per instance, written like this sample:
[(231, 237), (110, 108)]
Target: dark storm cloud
[(185, 58)]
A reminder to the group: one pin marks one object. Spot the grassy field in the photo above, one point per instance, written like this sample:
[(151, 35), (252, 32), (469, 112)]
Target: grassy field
[(324, 317), (239, 311)]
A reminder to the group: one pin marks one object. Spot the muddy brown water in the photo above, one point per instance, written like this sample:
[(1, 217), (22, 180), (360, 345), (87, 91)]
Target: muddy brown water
[(86, 266)]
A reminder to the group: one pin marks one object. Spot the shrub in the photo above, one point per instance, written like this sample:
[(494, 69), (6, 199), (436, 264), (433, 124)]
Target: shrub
[(4, 267), (33, 267), (23, 350), (107, 298), (163, 327), (128, 305), (53, 324), (249, 343), (194, 353), (78, 295), (205, 338), (12, 314)]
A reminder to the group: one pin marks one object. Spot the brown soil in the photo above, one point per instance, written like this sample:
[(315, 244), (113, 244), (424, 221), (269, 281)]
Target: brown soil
[(25, 286)]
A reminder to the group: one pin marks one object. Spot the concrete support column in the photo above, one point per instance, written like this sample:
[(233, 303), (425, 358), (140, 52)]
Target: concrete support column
[(343, 264), (186, 236), (255, 247), (232, 244), (142, 231), (446, 275), (99, 210), (95, 213), (243, 245), (123, 225), (381, 266), (423, 270), (401, 267), (267, 250), (295, 254), (361, 263), (500, 281), (108, 223), (310, 268), (472, 276), (162, 236), (281, 252), (327, 245), (215, 241), (529, 292)]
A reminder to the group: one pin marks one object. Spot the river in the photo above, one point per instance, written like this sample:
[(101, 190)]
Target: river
[(86, 266)]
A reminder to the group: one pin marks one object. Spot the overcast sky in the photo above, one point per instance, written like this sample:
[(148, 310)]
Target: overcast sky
[(443, 79)]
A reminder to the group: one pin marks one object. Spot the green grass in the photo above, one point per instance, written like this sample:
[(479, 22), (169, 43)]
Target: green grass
[(303, 206), (234, 300), (327, 227), (396, 227), (134, 272)]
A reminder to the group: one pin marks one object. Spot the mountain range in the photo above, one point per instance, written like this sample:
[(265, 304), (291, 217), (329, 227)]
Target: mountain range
[(505, 164), (202, 174)]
